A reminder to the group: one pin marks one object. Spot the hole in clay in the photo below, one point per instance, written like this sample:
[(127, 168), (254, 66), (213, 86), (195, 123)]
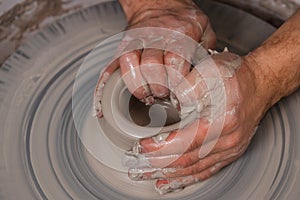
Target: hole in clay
[(161, 113)]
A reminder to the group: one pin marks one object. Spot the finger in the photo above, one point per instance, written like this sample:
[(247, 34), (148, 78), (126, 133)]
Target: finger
[(209, 37), (154, 72), (169, 161), (190, 90), (177, 68), (178, 56), (103, 78), (177, 142), (164, 186), (203, 88), (132, 76), (227, 62), (163, 150), (230, 144), (188, 166)]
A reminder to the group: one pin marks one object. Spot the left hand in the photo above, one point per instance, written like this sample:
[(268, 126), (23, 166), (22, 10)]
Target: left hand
[(154, 54), (176, 159)]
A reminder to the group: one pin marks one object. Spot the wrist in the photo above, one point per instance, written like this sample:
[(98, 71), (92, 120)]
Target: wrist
[(255, 96), (267, 85), (276, 63)]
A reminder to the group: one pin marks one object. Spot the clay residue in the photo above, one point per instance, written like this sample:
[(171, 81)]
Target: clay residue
[(26, 17)]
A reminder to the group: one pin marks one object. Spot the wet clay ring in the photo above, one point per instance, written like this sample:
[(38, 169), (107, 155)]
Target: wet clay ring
[(115, 104)]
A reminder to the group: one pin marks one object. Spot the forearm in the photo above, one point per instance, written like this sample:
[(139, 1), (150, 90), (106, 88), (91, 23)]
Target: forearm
[(134, 7), (276, 64)]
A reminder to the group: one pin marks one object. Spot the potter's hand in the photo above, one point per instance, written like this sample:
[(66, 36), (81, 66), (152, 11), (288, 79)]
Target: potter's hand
[(264, 76), (148, 69), (209, 143)]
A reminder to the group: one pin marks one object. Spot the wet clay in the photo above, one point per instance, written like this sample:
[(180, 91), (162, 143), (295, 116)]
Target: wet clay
[(64, 169), (26, 17)]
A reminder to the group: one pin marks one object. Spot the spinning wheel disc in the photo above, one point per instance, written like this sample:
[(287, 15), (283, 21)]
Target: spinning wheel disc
[(43, 157)]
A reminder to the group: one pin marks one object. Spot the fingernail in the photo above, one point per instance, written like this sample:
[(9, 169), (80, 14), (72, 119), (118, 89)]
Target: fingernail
[(160, 137), (161, 94), (169, 186), (163, 189), (135, 174), (138, 174), (137, 147), (215, 167), (133, 160), (148, 100), (174, 101)]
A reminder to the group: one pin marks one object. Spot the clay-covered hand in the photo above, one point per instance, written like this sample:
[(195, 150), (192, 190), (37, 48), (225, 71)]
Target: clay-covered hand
[(147, 66), (221, 91)]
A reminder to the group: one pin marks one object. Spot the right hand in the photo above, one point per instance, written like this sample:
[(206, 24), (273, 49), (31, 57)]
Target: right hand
[(151, 72), (223, 92)]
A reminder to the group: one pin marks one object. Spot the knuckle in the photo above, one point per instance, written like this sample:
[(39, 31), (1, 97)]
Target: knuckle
[(237, 150), (189, 25), (194, 170), (203, 19), (208, 174), (149, 61), (187, 161), (240, 149), (129, 56), (234, 140), (232, 122), (171, 58)]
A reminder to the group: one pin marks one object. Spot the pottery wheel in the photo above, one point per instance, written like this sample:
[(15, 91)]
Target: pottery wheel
[(44, 152)]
